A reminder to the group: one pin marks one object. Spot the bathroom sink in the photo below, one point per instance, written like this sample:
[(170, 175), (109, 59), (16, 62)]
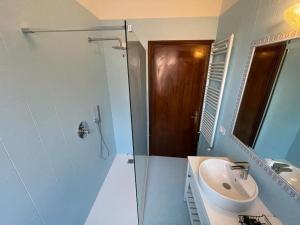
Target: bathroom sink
[(224, 187)]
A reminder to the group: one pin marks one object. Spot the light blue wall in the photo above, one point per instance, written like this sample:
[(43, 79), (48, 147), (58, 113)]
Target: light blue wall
[(117, 75), (282, 121), (293, 154), (48, 84), (251, 20)]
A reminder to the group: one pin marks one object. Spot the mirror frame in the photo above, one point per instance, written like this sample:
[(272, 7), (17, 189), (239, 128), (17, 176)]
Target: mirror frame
[(270, 39)]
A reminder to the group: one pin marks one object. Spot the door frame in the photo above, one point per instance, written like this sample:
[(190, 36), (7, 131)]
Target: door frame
[(149, 71)]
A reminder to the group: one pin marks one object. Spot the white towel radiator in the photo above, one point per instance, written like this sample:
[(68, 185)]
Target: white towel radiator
[(217, 71)]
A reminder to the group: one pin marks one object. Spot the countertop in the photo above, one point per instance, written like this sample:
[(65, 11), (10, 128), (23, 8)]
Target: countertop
[(219, 216)]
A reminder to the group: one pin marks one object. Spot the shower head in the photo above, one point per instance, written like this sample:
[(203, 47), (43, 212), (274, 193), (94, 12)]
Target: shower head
[(121, 46)]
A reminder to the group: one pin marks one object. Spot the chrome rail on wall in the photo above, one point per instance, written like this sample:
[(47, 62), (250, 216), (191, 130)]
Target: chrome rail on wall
[(27, 30)]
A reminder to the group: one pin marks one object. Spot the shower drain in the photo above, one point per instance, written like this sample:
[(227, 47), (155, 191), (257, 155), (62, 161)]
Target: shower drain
[(130, 161), (226, 186)]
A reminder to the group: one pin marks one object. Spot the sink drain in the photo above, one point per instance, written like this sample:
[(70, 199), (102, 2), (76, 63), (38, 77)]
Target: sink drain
[(226, 186)]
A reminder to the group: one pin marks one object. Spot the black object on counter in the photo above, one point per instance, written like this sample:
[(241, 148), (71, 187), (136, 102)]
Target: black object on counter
[(253, 220)]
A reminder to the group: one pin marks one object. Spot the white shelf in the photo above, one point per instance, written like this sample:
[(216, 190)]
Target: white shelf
[(190, 201)]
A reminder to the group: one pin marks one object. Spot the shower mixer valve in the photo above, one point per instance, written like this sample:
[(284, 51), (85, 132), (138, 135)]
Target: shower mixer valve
[(83, 129)]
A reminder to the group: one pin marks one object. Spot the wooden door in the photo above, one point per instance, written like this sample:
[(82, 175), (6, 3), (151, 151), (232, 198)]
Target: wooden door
[(177, 78)]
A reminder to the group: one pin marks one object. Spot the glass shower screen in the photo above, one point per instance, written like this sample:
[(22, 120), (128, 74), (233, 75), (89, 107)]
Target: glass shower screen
[(136, 59)]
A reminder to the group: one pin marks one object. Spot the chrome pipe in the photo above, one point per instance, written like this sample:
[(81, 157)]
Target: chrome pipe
[(27, 30), (90, 39)]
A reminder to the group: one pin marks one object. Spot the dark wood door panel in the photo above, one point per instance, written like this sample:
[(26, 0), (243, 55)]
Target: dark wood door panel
[(177, 76), (173, 145)]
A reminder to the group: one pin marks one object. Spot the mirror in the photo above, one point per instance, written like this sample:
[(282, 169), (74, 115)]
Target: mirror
[(268, 118)]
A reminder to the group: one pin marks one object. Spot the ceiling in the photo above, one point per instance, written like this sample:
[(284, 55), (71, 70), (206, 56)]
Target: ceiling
[(136, 9)]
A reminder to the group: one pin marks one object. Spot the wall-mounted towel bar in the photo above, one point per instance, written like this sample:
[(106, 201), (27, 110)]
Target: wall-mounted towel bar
[(217, 71)]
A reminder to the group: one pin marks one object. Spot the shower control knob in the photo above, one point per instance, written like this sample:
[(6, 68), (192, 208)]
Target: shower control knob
[(83, 129)]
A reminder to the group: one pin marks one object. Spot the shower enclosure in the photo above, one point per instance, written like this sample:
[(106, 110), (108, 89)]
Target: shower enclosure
[(138, 98), (73, 104)]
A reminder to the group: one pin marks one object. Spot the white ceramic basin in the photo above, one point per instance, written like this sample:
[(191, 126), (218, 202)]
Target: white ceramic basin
[(224, 187)]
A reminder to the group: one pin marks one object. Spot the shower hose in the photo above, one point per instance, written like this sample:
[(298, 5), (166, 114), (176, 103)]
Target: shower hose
[(104, 149)]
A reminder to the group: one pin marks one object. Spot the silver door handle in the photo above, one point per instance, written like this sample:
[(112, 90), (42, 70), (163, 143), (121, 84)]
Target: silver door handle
[(195, 117)]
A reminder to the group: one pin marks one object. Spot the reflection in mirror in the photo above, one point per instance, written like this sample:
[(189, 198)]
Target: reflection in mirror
[(261, 78), (269, 115)]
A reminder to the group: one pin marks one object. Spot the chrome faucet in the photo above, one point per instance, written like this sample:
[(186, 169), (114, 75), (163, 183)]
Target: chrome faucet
[(243, 167), (281, 167)]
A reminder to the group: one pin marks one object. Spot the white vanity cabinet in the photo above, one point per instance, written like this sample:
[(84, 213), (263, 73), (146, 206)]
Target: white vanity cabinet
[(193, 199), (205, 212)]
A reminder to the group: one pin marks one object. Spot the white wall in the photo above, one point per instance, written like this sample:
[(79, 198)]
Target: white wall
[(197, 28), (48, 84)]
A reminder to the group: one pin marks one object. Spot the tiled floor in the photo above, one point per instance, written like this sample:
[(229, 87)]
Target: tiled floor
[(164, 198)]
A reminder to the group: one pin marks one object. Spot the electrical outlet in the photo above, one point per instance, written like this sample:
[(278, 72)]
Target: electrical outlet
[(222, 130)]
